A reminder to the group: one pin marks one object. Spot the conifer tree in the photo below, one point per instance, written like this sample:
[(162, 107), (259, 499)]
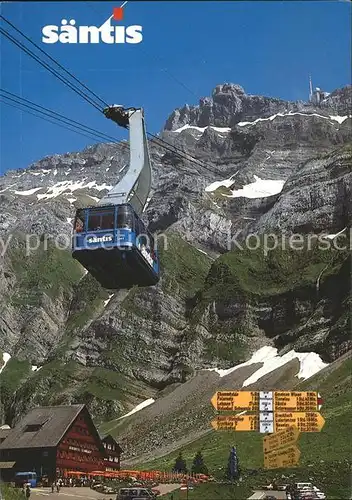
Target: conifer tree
[(233, 471), (180, 465), (198, 465)]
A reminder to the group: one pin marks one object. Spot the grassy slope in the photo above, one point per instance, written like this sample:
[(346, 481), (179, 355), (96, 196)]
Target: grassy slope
[(325, 457), (250, 272), (55, 273), (46, 270), (250, 277), (58, 382), (184, 269)]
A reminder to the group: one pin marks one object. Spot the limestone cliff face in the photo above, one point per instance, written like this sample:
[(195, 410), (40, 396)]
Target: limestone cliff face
[(289, 170)]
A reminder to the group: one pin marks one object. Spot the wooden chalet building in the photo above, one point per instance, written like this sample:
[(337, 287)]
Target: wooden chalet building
[(113, 452), (55, 439)]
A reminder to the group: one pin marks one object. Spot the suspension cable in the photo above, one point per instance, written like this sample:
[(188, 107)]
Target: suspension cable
[(185, 156), (25, 102), (45, 65), (52, 59), (41, 116), (169, 147)]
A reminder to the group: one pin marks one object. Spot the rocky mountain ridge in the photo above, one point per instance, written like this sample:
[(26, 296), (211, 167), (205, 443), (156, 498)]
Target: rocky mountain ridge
[(286, 171), (230, 105)]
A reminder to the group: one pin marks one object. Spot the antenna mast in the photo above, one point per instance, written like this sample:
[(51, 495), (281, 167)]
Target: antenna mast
[(310, 89)]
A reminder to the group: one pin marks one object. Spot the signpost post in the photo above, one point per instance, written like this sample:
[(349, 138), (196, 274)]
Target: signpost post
[(286, 457)]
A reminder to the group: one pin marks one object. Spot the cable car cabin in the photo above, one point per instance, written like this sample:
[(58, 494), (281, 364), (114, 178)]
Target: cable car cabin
[(112, 243)]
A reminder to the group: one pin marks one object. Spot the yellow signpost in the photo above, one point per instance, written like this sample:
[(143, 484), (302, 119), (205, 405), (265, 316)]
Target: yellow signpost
[(284, 413), (236, 400), (286, 457), (280, 401), (304, 421), (296, 401), (281, 439), (236, 423)]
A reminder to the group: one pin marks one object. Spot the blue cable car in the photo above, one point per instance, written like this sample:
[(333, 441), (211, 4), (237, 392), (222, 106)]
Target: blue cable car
[(112, 243), (110, 240)]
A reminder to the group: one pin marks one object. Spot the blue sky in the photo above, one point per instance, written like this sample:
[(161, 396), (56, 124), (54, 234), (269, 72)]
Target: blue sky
[(269, 48)]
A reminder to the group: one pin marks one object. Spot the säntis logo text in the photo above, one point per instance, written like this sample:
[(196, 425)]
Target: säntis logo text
[(68, 32)]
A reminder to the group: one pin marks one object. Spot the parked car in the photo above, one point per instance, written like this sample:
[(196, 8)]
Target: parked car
[(135, 494)]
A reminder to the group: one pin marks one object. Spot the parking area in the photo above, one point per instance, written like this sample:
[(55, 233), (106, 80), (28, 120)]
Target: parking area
[(70, 494), (87, 493)]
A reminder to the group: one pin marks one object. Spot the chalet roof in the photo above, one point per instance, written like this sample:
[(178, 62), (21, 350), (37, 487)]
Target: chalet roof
[(42, 427), (4, 433)]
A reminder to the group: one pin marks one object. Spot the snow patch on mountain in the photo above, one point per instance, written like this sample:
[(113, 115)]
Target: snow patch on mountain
[(260, 188), (108, 300), (215, 185), (202, 129), (146, 204), (93, 197), (63, 186), (29, 192), (339, 119), (5, 358), (310, 364), (139, 407), (332, 236)]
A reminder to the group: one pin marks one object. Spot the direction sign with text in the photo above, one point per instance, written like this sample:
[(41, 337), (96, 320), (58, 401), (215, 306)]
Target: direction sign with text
[(266, 401), (304, 421), (236, 400), (297, 401), (286, 457), (284, 438), (236, 423)]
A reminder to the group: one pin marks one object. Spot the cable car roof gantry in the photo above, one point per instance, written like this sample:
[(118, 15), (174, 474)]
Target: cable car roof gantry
[(134, 187)]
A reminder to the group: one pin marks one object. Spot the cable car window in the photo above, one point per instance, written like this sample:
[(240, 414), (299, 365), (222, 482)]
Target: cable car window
[(125, 217), (94, 222), (139, 227), (79, 222), (143, 240), (107, 220), (151, 241)]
